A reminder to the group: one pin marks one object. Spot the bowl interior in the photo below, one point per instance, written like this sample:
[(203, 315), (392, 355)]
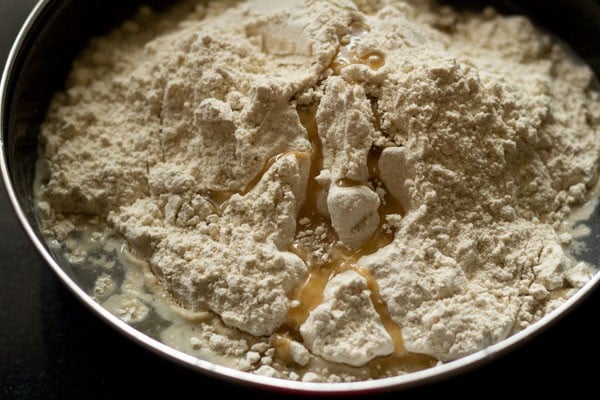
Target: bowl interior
[(61, 28)]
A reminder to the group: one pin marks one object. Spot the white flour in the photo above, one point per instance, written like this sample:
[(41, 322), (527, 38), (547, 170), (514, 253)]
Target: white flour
[(332, 190)]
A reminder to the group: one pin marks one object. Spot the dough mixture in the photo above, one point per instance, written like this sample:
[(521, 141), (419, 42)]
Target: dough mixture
[(324, 190)]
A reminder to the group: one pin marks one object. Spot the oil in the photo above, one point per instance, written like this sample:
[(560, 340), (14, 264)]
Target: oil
[(347, 53)]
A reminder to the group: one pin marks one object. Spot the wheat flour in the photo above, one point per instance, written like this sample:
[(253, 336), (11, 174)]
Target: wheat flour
[(318, 185)]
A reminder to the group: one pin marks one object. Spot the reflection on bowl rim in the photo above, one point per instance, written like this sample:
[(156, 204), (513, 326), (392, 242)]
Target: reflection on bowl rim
[(218, 371)]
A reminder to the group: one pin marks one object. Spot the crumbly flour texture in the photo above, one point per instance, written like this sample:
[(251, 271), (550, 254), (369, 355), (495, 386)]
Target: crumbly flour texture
[(406, 167)]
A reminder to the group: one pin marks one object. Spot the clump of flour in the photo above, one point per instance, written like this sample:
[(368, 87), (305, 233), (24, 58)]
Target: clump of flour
[(184, 133)]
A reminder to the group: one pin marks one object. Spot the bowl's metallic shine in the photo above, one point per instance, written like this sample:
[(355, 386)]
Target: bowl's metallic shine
[(37, 65)]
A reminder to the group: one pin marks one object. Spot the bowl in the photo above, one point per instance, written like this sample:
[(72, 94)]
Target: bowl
[(37, 67)]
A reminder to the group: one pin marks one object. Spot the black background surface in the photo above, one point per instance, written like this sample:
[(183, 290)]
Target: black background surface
[(52, 347)]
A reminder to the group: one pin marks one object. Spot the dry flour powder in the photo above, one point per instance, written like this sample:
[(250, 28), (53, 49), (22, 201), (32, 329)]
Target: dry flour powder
[(327, 190)]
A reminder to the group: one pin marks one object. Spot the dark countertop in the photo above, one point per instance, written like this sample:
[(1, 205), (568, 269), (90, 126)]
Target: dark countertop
[(52, 347)]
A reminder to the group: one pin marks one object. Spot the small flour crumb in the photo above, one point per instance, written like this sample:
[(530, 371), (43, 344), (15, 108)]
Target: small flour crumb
[(299, 354), (128, 308), (310, 377), (104, 287)]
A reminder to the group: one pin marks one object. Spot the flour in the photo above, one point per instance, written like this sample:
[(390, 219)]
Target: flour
[(316, 186), (345, 328)]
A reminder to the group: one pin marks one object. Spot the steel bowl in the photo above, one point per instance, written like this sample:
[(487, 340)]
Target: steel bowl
[(42, 55)]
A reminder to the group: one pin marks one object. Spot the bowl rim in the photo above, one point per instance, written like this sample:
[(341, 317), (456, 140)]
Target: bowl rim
[(439, 372)]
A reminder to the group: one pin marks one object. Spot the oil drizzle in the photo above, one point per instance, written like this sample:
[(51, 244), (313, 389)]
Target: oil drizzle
[(219, 198), (347, 53), (334, 257), (317, 243)]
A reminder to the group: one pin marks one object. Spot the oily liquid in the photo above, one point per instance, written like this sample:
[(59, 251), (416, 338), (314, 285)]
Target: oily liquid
[(218, 198), (347, 53), (340, 259)]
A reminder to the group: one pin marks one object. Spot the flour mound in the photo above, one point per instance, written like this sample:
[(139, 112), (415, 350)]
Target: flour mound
[(468, 138)]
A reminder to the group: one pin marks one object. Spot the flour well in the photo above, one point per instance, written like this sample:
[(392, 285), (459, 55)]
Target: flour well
[(325, 190)]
